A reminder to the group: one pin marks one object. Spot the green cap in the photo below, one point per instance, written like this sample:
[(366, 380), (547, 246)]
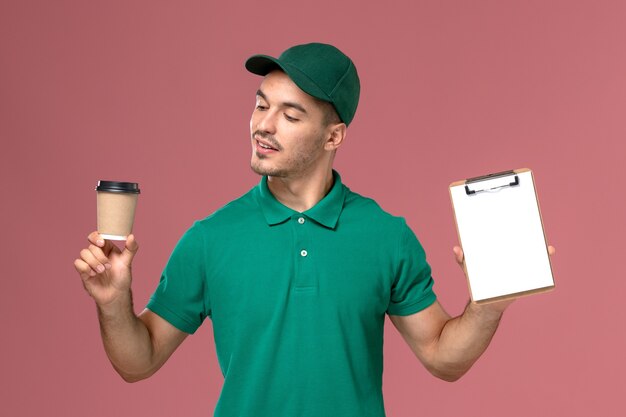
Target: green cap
[(320, 70)]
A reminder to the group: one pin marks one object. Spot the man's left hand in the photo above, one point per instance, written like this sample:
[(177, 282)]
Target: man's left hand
[(497, 306)]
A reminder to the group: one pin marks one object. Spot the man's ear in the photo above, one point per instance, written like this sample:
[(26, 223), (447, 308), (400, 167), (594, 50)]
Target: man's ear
[(336, 135)]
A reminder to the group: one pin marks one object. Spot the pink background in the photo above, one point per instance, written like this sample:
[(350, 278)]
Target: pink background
[(156, 92)]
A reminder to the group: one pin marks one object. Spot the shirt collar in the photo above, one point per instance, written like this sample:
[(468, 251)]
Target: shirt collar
[(326, 211)]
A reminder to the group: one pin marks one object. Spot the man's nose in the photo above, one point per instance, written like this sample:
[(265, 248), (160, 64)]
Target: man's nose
[(266, 121)]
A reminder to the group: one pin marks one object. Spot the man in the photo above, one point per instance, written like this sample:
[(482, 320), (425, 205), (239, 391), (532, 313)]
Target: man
[(296, 275)]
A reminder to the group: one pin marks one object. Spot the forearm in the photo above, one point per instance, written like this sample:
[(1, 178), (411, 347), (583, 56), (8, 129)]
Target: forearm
[(463, 340), (126, 339)]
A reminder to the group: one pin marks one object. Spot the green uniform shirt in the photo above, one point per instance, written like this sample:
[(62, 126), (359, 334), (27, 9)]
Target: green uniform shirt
[(297, 300)]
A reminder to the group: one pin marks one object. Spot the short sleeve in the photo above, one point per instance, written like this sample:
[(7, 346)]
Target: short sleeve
[(181, 297), (412, 288)]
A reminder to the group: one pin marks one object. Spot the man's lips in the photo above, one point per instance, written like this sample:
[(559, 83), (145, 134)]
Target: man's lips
[(264, 144)]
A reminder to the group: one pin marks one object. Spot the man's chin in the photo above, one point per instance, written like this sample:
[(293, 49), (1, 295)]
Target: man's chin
[(266, 171), (258, 169)]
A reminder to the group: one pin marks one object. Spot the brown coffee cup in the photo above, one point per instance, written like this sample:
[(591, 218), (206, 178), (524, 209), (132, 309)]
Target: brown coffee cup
[(116, 208)]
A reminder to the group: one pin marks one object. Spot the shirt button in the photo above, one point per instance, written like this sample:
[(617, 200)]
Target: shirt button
[(301, 220), (303, 252)]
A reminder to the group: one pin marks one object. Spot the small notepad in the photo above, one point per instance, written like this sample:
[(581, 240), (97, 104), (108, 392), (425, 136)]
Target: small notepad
[(502, 235)]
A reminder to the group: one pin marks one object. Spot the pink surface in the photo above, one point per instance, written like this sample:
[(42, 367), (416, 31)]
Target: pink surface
[(156, 92)]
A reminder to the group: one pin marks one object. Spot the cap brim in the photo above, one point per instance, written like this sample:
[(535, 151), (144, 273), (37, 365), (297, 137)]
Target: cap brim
[(264, 64)]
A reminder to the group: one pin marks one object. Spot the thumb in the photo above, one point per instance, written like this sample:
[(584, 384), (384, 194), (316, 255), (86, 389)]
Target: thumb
[(130, 249), (458, 254)]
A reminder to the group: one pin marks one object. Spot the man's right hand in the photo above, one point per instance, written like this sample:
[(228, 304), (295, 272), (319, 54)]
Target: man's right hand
[(105, 269), (137, 346)]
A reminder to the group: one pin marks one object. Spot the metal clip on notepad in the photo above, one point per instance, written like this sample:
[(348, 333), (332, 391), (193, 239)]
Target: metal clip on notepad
[(474, 180)]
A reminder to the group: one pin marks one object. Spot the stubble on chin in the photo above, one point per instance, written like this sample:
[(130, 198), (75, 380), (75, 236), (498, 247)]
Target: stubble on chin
[(257, 168)]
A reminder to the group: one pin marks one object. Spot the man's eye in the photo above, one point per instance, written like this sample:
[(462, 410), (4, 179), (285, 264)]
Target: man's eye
[(290, 119), (261, 107)]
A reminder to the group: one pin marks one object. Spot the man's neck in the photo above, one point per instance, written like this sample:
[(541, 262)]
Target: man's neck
[(302, 193)]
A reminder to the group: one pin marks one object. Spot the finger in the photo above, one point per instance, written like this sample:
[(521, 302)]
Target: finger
[(90, 259), (458, 253), (97, 240), (130, 249), (100, 256), (551, 250), (83, 268)]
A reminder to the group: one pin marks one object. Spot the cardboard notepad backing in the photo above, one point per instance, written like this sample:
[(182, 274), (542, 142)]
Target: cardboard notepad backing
[(502, 236)]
